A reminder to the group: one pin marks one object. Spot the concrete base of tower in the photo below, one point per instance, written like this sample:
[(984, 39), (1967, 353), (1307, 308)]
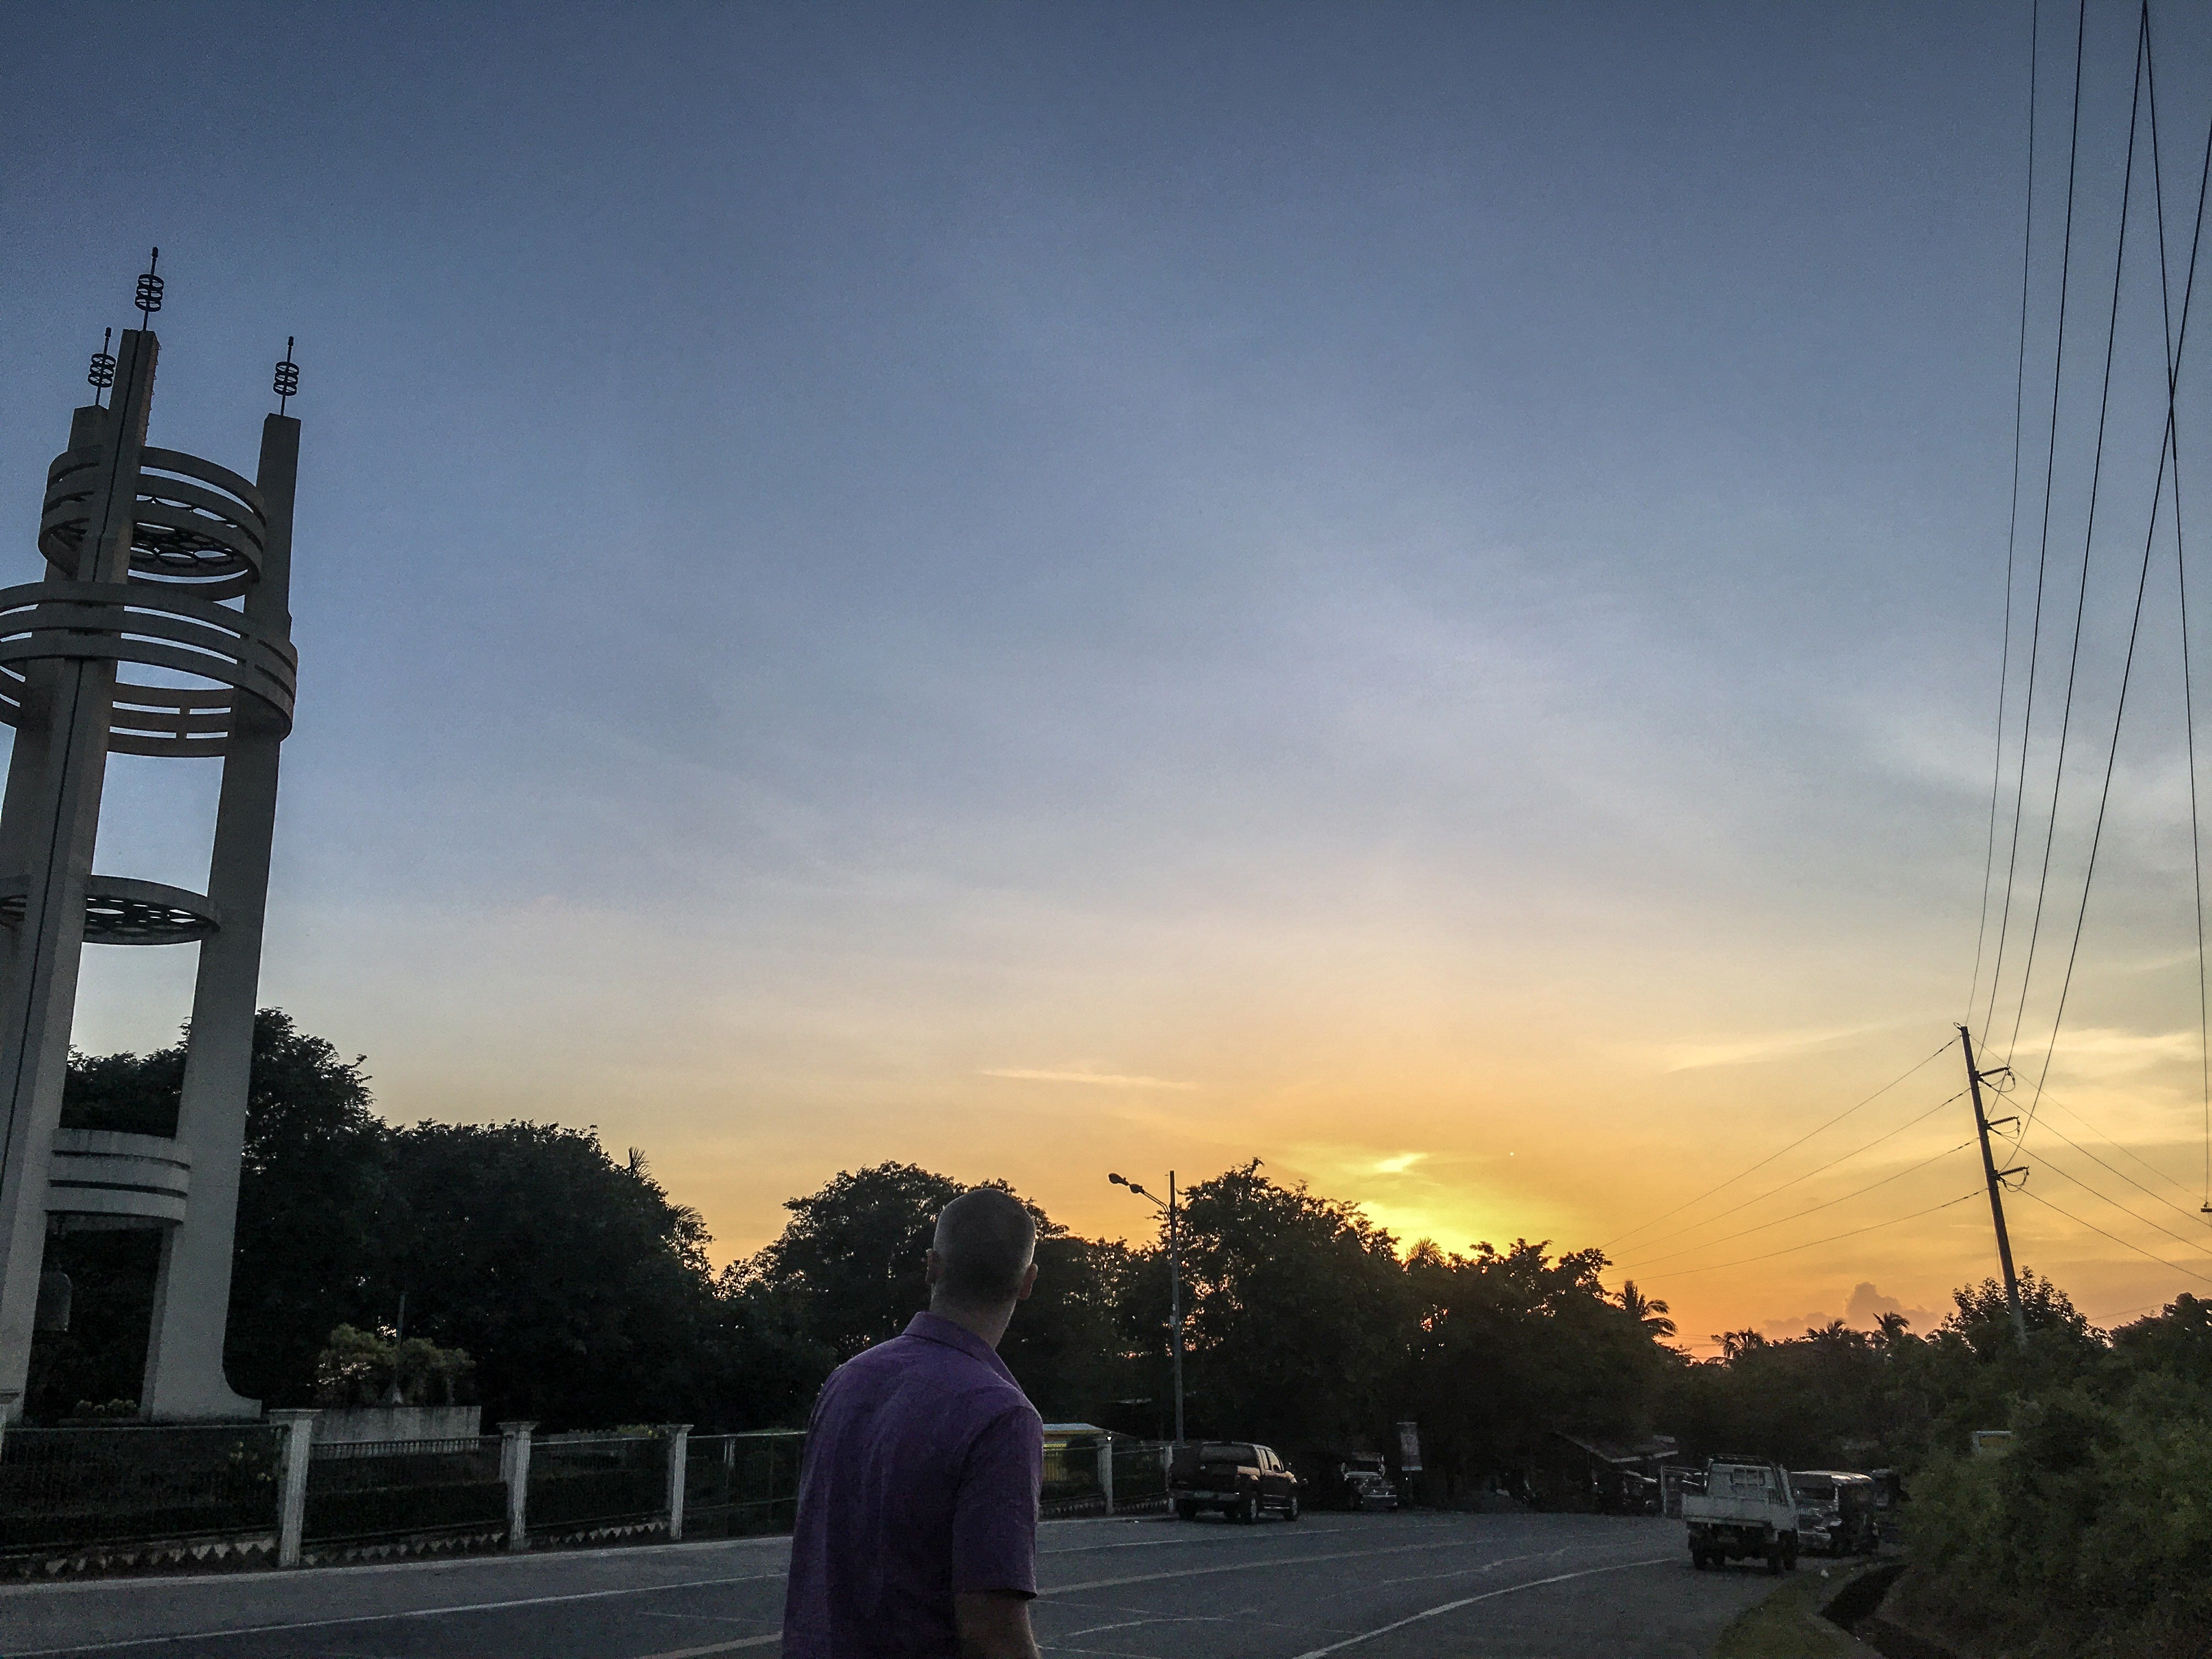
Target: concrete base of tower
[(184, 1380)]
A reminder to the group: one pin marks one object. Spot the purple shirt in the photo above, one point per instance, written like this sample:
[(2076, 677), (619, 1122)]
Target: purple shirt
[(924, 1460)]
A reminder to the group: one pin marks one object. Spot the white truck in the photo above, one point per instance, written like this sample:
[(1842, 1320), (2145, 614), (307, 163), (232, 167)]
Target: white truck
[(1748, 1509)]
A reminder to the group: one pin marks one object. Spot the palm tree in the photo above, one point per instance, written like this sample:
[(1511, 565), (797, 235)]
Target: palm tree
[(1645, 1311)]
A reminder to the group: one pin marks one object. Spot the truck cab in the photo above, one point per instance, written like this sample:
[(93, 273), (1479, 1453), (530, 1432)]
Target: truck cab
[(1241, 1479)]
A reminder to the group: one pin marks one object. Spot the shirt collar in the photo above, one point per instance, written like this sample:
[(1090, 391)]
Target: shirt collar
[(930, 1328)]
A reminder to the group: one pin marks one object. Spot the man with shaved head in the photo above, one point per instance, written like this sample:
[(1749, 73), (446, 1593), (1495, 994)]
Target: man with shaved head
[(916, 1536)]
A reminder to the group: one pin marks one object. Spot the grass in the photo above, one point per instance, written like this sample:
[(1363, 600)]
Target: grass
[(1788, 1624)]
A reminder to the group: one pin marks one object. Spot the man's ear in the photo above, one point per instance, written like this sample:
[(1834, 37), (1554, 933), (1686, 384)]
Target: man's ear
[(933, 1269), (1028, 1283)]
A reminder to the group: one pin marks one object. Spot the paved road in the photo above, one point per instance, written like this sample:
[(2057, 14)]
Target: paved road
[(1376, 1587)]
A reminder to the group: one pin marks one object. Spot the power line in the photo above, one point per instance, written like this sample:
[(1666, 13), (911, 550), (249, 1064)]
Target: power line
[(1799, 1215), (2167, 448), (1792, 1249), (2181, 570), (2114, 1237), (2012, 527), (2059, 1170), (2049, 1099), (1795, 1180), (2088, 549), (2043, 552), (2122, 1174), (1770, 1157)]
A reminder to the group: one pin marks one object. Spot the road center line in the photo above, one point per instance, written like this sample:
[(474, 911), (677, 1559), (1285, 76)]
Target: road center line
[(716, 1647), (1469, 1600)]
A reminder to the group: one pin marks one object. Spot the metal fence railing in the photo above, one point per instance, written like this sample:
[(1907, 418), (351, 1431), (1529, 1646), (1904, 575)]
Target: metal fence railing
[(583, 1481), (131, 1498), (110, 1486), (1140, 1477), (735, 1484), (1077, 1477), (374, 1491)]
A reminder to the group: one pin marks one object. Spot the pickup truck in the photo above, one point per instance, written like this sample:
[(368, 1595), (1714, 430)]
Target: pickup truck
[(1746, 1509), (1244, 1481)]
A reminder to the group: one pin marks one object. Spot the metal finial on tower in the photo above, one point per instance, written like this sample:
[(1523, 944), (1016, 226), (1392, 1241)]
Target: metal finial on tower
[(102, 375), (287, 383), (149, 292)]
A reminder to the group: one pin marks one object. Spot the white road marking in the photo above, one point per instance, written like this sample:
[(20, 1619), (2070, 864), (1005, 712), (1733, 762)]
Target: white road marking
[(412, 1613), (717, 1647), (1469, 1600), (1245, 1566), (1169, 1543)]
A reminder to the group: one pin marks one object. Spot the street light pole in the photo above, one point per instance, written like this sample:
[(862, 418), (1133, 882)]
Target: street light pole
[(1175, 1297), (1173, 1208)]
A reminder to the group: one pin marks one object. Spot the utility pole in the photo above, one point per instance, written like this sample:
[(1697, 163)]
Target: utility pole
[(1996, 1177)]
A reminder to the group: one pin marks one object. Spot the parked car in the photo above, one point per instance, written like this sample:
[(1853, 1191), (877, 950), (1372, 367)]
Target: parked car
[(1746, 1509), (1835, 1511), (1362, 1481), (1243, 1481)]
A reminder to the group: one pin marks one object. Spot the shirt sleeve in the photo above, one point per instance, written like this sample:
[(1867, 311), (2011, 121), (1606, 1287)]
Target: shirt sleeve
[(994, 1516)]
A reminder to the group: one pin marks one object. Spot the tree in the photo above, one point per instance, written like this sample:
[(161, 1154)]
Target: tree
[(314, 1210), (582, 1291), (1517, 1346), (852, 1256), (1650, 1315), (366, 1368), (310, 1196), (1298, 1313), (849, 1266)]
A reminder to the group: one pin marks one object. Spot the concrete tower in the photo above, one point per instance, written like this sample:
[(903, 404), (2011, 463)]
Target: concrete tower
[(155, 561)]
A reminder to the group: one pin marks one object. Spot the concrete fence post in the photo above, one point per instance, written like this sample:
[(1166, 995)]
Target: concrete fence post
[(1106, 1469), (515, 1469), (679, 1457), (298, 1428)]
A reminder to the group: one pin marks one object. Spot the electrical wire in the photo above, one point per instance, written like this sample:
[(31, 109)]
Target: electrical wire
[(2059, 1170), (1799, 1215), (2052, 1100), (2114, 1237), (1770, 1157), (2012, 527), (2043, 552), (2088, 547), (1714, 1267), (2168, 448), (1797, 1180), (2181, 576), (2122, 1174)]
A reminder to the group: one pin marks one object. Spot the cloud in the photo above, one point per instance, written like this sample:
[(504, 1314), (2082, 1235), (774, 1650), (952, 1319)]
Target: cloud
[(1772, 1045), (1397, 1164), (1107, 1079), (1861, 1310), (1867, 1304)]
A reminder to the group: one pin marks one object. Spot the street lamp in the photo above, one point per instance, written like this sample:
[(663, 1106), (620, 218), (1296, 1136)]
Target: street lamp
[(1175, 1282)]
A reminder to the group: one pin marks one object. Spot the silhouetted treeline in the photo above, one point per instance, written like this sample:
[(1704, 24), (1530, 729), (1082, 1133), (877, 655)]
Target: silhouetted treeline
[(584, 1298)]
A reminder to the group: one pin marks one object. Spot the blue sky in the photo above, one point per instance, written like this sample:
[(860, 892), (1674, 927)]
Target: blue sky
[(1420, 581)]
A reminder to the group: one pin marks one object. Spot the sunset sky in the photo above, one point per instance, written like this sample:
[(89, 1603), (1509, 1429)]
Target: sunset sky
[(1411, 591)]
